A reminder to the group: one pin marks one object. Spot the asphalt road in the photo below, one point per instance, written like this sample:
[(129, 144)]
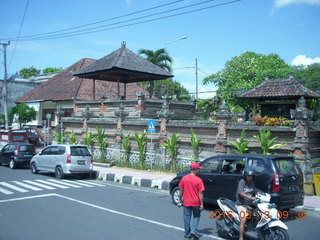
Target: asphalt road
[(78, 209)]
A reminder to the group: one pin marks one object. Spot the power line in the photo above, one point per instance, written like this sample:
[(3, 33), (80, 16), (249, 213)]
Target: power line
[(87, 31)]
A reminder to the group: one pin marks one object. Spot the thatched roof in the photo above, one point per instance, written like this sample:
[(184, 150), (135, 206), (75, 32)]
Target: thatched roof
[(287, 88), (64, 86), (124, 66)]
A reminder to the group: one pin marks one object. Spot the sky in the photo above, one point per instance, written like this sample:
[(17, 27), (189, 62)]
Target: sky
[(212, 32)]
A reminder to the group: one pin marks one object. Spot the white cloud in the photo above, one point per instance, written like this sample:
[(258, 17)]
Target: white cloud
[(282, 3), (304, 60)]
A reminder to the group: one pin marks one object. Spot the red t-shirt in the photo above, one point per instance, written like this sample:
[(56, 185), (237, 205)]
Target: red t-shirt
[(191, 186)]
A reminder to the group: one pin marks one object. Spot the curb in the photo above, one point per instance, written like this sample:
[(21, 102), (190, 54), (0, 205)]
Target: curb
[(309, 208), (130, 180)]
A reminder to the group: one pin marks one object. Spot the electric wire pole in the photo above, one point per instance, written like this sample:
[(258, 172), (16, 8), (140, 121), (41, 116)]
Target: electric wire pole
[(4, 87)]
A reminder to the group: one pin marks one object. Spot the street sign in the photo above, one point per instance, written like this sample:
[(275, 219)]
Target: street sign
[(151, 126), (48, 116)]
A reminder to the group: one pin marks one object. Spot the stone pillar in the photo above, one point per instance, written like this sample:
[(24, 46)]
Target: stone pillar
[(164, 115), (120, 114), (140, 106), (103, 107), (86, 114), (223, 116), (75, 110), (300, 148), (59, 114)]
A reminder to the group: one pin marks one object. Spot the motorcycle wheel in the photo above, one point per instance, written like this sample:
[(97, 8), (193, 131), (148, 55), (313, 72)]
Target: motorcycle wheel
[(221, 232), (276, 233)]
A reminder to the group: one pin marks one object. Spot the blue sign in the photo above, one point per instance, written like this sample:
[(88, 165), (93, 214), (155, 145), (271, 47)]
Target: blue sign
[(151, 126)]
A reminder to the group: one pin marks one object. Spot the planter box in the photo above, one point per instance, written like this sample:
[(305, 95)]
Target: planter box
[(309, 188)]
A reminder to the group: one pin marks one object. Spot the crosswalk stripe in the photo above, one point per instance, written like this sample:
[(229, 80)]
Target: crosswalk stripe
[(52, 184), (27, 186), (39, 184), (8, 185), (64, 183), (78, 183), (92, 183), (5, 191)]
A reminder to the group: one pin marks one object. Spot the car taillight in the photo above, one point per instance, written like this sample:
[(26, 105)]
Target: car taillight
[(69, 158), (15, 152), (275, 183)]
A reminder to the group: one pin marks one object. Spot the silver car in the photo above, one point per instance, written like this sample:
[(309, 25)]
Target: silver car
[(63, 159)]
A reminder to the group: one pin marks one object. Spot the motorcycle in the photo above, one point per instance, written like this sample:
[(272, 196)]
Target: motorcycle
[(262, 221)]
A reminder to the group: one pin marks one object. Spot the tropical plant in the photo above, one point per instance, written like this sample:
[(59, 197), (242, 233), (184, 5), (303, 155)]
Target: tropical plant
[(266, 143), (172, 146), (25, 113), (72, 138), (159, 57), (58, 136), (52, 69), (142, 143), (195, 141), (126, 145), (29, 72), (240, 144), (101, 140), (89, 139)]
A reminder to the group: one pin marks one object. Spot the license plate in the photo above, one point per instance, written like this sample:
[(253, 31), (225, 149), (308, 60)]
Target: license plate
[(294, 188), (81, 162), (27, 155)]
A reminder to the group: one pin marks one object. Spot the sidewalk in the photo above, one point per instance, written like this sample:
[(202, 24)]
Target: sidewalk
[(160, 180)]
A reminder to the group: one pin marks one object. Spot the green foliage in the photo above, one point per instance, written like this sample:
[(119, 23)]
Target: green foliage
[(126, 145), (72, 138), (2, 119), (58, 136), (101, 140), (266, 143), (207, 107), (309, 76), (142, 143), (25, 113), (195, 141), (244, 72), (241, 145), (29, 72), (52, 70), (159, 57), (271, 121), (89, 139), (172, 146)]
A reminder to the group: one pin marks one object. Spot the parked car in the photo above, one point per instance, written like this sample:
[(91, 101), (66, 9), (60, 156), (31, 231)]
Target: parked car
[(17, 154), (278, 175), (33, 137), (63, 159)]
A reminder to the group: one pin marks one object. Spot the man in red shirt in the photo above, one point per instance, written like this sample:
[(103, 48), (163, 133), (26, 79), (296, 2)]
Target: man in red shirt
[(191, 194)]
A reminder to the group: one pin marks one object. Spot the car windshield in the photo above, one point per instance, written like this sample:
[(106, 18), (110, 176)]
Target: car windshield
[(80, 151), (286, 167), (26, 148)]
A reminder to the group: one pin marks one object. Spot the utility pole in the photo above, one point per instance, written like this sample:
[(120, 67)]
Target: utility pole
[(196, 79), (5, 89)]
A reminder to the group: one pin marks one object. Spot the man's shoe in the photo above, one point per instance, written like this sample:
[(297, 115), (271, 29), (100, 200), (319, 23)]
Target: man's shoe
[(194, 235)]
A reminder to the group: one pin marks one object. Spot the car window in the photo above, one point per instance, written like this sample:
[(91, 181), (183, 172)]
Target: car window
[(286, 167), (6, 148), (258, 165), (80, 151), (54, 150), (46, 151), (11, 148), (210, 165), (26, 148), (62, 150)]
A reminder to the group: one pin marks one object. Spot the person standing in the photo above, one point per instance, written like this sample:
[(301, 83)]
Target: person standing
[(191, 195)]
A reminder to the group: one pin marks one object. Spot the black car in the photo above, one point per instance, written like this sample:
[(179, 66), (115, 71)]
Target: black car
[(17, 154), (278, 175)]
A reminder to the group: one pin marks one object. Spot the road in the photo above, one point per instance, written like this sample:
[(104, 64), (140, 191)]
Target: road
[(76, 209)]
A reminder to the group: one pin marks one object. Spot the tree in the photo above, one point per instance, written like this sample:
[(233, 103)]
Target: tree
[(162, 59), (25, 113), (29, 72), (52, 70), (244, 72), (309, 76)]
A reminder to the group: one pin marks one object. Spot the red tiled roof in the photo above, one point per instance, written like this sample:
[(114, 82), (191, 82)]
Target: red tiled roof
[(64, 86)]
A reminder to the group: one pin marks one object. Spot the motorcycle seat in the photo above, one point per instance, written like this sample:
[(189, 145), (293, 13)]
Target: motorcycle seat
[(230, 204)]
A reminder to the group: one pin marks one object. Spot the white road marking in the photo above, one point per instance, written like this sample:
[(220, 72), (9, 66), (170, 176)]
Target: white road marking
[(39, 184), (52, 184), (27, 186), (81, 184), (89, 182), (5, 191), (8, 185), (64, 183), (105, 209)]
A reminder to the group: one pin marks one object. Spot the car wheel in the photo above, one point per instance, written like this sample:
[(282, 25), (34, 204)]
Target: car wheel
[(34, 169), (12, 164), (59, 172), (175, 194)]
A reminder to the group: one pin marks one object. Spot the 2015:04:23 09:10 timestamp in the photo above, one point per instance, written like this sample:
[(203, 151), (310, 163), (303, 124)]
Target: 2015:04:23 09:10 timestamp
[(264, 214)]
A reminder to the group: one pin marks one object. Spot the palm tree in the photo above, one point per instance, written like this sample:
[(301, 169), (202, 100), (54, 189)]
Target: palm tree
[(160, 58)]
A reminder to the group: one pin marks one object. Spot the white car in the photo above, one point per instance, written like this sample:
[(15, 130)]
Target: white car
[(63, 159)]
